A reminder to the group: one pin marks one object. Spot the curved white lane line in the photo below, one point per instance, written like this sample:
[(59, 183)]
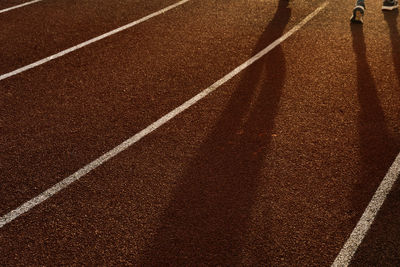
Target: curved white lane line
[(88, 42), (18, 6), (360, 231)]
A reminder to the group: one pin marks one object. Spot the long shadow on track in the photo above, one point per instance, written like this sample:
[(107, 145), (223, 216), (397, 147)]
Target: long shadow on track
[(377, 148), (208, 216), (391, 19)]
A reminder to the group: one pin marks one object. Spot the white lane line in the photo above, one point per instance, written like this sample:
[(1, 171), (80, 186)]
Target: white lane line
[(129, 142), (95, 39), (350, 247), (18, 6)]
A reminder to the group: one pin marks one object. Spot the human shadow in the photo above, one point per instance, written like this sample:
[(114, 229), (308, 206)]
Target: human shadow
[(391, 20), (377, 148), (208, 216)]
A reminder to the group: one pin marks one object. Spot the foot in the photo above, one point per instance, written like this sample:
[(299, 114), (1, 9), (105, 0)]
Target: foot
[(358, 14), (390, 4)]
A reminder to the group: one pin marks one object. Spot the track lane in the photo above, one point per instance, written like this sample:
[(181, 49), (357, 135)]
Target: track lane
[(10, 3), (48, 27), (4, 10), (90, 41), (300, 207)]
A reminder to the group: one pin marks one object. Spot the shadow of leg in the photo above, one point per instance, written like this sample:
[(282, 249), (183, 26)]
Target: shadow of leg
[(391, 19), (207, 218), (377, 149)]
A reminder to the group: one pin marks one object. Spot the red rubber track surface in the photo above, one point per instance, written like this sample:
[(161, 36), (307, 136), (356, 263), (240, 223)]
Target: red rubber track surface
[(275, 168), (11, 3)]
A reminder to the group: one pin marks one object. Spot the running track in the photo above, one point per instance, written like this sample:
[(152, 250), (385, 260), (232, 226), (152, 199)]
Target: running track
[(273, 168)]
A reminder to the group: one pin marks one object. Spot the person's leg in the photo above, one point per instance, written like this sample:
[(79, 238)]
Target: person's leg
[(390, 4), (358, 12)]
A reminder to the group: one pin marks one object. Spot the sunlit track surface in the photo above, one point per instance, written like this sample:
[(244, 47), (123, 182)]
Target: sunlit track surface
[(275, 167)]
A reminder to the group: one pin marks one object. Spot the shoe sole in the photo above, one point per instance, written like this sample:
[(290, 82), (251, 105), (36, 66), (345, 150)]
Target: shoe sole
[(390, 7), (357, 16)]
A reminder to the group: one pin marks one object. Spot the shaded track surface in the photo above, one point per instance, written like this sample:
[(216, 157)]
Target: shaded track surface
[(274, 168)]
